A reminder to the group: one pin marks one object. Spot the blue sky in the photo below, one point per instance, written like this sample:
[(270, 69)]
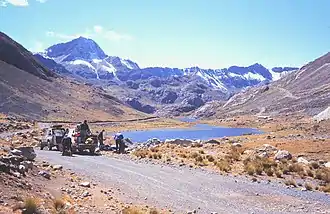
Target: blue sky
[(178, 33)]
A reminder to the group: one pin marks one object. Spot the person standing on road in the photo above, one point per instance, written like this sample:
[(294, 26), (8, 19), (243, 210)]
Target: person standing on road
[(66, 143), (84, 131), (100, 138), (118, 138)]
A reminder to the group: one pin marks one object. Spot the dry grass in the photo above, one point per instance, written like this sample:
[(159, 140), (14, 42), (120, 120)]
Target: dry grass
[(30, 206), (308, 186), (141, 153), (278, 174), (249, 169), (314, 165), (326, 188), (323, 174), (290, 182), (137, 210), (269, 172), (210, 158), (223, 165), (235, 153)]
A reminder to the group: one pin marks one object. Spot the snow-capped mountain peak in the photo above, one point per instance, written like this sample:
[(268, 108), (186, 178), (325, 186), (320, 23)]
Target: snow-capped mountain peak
[(77, 49), (85, 58)]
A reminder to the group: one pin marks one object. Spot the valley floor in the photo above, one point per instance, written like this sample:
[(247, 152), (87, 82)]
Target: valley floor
[(218, 177)]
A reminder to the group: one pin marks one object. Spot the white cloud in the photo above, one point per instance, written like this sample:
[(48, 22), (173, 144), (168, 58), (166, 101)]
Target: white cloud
[(37, 47), (97, 32), (65, 36), (3, 4), (98, 29), (19, 3)]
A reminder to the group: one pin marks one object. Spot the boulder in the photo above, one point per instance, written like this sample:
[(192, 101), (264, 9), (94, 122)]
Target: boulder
[(327, 164), (22, 169), (16, 152), (267, 148), (182, 141), (4, 167), (28, 153), (85, 184), (44, 174), (237, 144), (27, 164), (282, 154), (57, 167), (302, 160), (212, 141)]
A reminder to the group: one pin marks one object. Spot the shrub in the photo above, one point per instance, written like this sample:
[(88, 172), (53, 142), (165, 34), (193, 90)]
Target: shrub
[(294, 160), (315, 165), (310, 173), (269, 172), (278, 173), (258, 169), (155, 156), (194, 155), (210, 158), (141, 153), (30, 206), (234, 153), (154, 149), (323, 174), (298, 168), (326, 188), (201, 152), (249, 169), (183, 155), (290, 182), (199, 158), (223, 165), (308, 186)]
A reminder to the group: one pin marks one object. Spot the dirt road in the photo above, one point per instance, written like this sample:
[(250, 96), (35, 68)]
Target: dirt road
[(182, 189)]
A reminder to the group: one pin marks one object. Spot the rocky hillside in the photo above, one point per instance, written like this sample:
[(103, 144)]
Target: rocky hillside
[(165, 91), (305, 91), (28, 89), (14, 54)]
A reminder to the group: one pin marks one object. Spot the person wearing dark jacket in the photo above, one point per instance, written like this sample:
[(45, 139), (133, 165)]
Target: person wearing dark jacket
[(84, 131), (66, 143), (100, 138), (119, 141)]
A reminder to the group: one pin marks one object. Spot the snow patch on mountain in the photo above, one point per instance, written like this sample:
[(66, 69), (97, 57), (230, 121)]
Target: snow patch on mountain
[(82, 62), (254, 76), (126, 63)]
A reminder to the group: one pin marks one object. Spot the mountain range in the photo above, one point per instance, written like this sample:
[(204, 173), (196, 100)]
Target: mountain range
[(304, 92), (30, 90), (153, 89)]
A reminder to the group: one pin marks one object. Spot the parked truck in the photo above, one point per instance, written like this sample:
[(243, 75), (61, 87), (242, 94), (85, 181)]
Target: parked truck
[(78, 145), (52, 137)]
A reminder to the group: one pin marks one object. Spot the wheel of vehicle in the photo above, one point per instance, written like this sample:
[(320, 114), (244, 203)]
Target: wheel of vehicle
[(92, 151), (49, 146), (80, 150), (41, 146)]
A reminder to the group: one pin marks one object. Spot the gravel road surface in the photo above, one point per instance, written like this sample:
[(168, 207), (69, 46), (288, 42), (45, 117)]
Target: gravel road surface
[(182, 189)]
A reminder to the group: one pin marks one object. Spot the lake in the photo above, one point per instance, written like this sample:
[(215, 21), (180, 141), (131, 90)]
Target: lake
[(199, 131)]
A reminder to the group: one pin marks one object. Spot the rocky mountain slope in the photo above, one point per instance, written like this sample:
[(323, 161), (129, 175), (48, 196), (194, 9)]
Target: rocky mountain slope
[(305, 91), (166, 91), (29, 89)]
